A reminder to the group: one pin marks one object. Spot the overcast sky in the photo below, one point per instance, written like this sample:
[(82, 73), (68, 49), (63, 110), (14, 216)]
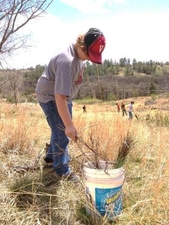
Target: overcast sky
[(133, 29)]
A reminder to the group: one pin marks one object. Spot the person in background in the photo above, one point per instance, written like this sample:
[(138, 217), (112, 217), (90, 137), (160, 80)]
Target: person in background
[(123, 109), (118, 107), (56, 87), (130, 110), (84, 109)]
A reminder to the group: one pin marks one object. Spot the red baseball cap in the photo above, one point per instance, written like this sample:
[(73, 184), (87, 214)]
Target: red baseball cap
[(95, 43)]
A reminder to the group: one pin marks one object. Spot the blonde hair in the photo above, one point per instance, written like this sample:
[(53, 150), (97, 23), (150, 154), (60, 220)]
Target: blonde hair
[(80, 43)]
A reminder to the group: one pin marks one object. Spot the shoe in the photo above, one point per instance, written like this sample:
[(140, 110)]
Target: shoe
[(48, 162)]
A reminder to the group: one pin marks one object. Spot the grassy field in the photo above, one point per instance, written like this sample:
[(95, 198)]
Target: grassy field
[(30, 195)]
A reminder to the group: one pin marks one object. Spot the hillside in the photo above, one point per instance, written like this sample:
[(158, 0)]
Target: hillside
[(102, 82)]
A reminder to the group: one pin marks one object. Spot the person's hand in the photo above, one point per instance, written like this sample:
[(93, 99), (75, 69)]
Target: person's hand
[(71, 132)]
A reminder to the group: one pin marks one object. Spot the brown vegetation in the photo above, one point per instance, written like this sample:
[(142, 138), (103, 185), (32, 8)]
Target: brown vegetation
[(29, 193)]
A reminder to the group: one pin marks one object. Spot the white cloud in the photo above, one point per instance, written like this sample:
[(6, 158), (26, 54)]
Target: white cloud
[(132, 35), (48, 34), (90, 6), (142, 36)]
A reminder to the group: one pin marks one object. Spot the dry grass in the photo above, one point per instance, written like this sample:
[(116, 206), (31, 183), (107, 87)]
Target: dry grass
[(33, 197)]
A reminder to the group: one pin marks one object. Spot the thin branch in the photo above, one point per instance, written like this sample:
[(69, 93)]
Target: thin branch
[(13, 16)]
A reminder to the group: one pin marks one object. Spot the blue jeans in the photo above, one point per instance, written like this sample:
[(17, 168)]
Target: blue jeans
[(58, 149), (130, 115)]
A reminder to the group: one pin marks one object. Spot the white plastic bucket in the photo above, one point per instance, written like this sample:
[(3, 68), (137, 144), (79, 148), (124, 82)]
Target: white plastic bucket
[(104, 189)]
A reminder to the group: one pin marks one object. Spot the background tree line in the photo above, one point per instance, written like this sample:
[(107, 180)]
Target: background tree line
[(109, 81)]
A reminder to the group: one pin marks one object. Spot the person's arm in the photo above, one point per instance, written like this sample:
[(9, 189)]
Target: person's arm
[(64, 113)]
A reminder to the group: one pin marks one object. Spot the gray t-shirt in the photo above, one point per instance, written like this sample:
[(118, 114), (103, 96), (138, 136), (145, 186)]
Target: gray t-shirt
[(60, 76)]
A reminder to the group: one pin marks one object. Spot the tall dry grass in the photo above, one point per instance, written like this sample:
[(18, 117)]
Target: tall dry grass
[(33, 196)]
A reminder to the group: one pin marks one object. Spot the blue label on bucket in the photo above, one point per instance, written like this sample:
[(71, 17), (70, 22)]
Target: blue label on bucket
[(109, 201)]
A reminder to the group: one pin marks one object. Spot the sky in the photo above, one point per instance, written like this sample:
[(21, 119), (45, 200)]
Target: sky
[(133, 29)]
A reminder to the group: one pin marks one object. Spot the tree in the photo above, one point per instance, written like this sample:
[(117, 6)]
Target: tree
[(152, 88), (122, 62), (134, 64), (14, 15), (15, 83)]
